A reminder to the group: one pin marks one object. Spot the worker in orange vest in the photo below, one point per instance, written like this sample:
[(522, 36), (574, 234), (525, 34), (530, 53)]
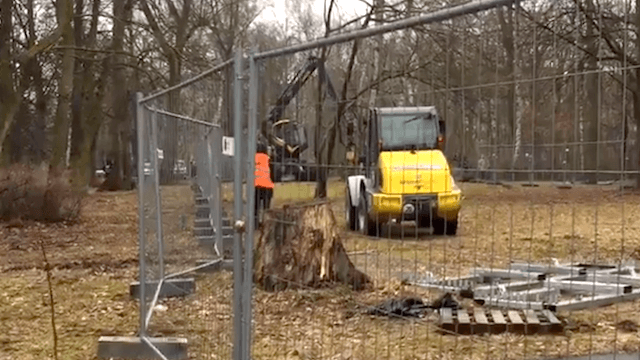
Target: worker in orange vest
[(262, 182)]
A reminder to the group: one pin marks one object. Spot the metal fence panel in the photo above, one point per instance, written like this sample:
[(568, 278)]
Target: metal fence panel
[(379, 262), (184, 228), (524, 270)]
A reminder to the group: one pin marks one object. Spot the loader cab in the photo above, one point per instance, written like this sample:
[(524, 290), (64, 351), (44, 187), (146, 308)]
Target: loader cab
[(290, 136), (401, 129)]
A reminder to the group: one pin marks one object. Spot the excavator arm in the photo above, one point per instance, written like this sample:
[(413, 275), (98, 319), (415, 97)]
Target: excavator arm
[(286, 134), (287, 138)]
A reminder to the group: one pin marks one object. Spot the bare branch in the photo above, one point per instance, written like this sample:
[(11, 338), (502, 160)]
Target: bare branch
[(47, 269)]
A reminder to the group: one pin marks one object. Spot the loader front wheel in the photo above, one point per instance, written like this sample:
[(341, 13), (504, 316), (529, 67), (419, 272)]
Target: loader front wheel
[(365, 224)]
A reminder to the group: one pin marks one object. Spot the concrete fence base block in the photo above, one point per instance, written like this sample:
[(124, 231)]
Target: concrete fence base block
[(214, 266), (178, 287), (126, 347), (203, 231), (200, 223), (208, 242), (202, 212), (202, 201)]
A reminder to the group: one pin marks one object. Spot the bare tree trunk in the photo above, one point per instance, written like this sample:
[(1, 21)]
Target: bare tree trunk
[(169, 138), (636, 94), (88, 97), (16, 142), (592, 110), (9, 99), (377, 69), (120, 128), (175, 76), (342, 105), (64, 14), (323, 171), (517, 96), (517, 136), (26, 138), (77, 104), (321, 183), (38, 125), (119, 97), (508, 42), (226, 44), (227, 125)]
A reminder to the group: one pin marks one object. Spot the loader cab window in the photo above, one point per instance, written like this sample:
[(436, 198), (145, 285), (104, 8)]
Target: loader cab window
[(291, 135), (372, 139), (301, 135), (288, 132), (409, 132)]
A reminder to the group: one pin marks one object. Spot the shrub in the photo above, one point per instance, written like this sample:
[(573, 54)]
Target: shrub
[(29, 193)]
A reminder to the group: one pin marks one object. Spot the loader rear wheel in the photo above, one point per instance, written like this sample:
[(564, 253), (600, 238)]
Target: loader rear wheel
[(350, 213)]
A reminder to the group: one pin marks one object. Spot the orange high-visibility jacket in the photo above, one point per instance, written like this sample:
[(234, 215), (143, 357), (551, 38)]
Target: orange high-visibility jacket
[(263, 174)]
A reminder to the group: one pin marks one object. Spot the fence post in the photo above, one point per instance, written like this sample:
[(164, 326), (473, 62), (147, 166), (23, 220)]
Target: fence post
[(237, 191), (251, 200), (141, 225), (207, 181), (216, 213), (210, 185), (156, 179)]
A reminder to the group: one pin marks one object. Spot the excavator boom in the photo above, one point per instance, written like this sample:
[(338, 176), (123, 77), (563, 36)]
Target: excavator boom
[(296, 84), (287, 138)]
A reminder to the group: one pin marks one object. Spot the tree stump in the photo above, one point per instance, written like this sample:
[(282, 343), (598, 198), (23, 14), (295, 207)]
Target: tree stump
[(300, 247)]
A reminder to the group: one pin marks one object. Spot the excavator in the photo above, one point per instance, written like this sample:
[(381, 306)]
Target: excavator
[(287, 138)]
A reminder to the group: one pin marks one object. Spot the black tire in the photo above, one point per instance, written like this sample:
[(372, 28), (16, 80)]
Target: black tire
[(259, 213), (440, 227), (374, 228), (452, 227), (423, 222), (365, 225), (350, 213)]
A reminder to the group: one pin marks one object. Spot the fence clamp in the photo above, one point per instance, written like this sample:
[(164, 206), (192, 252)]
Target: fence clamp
[(239, 226)]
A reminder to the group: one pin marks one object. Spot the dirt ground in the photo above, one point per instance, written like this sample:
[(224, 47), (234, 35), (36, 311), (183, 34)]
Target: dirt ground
[(94, 261)]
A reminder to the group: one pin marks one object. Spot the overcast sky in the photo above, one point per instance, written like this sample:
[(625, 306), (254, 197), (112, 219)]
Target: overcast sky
[(276, 9)]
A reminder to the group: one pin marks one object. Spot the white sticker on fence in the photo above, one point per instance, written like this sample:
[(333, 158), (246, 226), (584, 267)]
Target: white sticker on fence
[(227, 145)]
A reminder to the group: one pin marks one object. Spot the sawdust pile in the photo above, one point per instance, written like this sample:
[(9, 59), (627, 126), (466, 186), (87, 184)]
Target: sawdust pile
[(300, 247)]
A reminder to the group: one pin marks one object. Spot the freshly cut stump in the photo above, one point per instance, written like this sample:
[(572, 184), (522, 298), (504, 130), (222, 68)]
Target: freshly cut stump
[(300, 247)]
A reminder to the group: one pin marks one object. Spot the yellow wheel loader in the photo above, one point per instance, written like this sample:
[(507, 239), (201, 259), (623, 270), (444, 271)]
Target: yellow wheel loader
[(407, 177)]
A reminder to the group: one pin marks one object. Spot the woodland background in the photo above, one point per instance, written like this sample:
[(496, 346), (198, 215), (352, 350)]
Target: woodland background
[(543, 86)]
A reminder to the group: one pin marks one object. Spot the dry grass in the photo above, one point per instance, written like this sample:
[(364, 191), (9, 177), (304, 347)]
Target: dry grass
[(32, 193), (95, 260)]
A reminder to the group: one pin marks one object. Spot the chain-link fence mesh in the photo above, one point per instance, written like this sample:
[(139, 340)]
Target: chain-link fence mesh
[(186, 226), (537, 262), (465, 197)]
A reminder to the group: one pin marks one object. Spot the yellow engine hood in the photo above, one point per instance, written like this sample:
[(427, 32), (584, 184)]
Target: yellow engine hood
[(418, 172)]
